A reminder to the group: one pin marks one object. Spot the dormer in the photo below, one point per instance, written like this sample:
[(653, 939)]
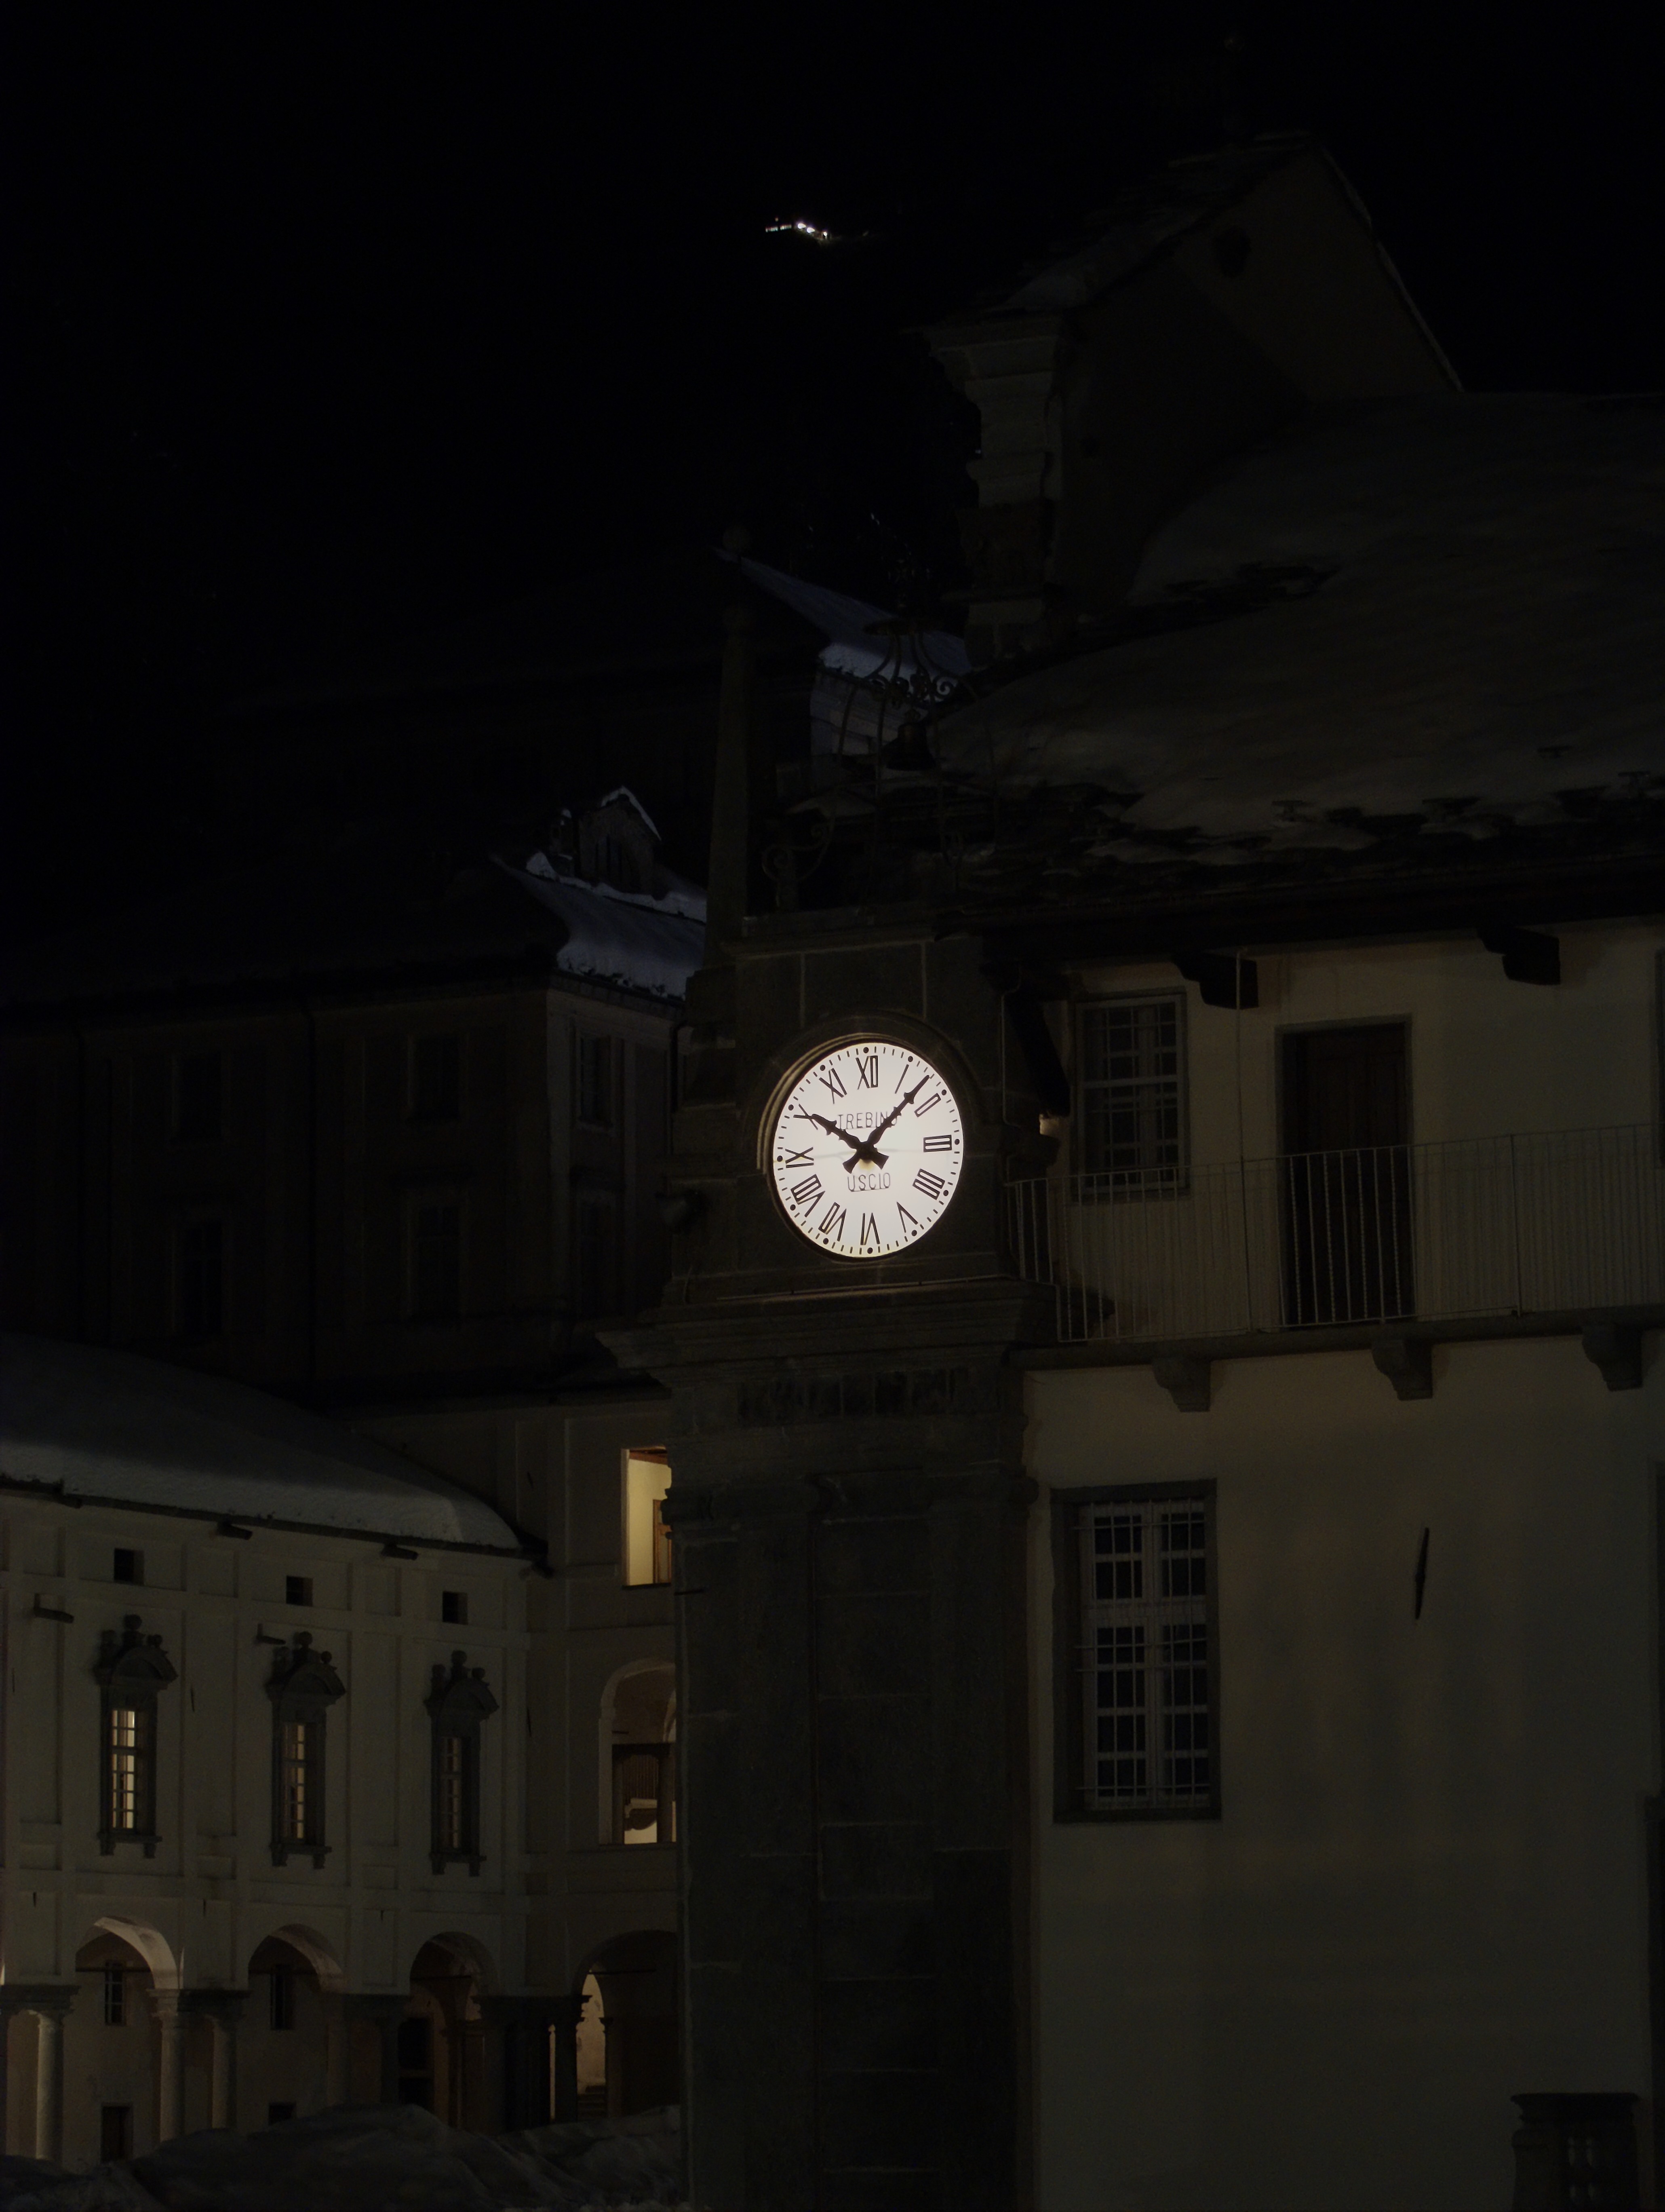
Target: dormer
[(614, 842), (1204, 308)]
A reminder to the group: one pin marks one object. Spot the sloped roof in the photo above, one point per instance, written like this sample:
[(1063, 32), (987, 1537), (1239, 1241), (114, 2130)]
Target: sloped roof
[(1401, 636), (105, 1425)]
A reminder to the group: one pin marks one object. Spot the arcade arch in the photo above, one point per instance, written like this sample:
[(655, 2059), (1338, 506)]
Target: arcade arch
[(441, 2039), (637, 1775), (634, 1976)]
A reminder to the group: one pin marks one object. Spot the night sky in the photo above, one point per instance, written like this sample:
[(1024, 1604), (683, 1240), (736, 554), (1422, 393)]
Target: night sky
[(321, 339)]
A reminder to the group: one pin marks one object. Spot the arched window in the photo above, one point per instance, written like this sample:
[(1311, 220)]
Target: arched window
[(302, 1688), (638, 1721), (131, 1671), (458, 1705)]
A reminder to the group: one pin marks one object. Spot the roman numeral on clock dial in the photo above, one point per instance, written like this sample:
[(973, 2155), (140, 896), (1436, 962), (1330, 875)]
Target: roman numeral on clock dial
[(847, 1149)]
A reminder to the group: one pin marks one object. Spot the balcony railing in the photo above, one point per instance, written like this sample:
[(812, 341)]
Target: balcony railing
[(1570, 1221)]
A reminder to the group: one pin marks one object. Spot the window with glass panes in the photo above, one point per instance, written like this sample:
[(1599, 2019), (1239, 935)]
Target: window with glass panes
[(1131, 1088), (1140, 1730), (127, 1770)]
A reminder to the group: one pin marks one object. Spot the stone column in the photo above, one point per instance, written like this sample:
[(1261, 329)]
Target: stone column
[(52, 2009), (170, 2064), (223, 2009), (565, 2013), (51, 2003), (384, 2015), (337, 2051)]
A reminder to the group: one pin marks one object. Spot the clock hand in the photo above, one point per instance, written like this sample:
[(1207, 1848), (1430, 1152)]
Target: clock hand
[(906, 1099), (862, 1146)]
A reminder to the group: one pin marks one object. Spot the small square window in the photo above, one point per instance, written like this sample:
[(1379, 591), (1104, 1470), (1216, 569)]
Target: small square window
[(297, 1590), (454, 1607), (198, 1103), (436, 1078), (277, 2114), (127, 1566)]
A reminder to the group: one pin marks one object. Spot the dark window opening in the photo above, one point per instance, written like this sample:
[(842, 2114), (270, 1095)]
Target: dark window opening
[(594, 1257), (202, 1279), (1131, 1087), (416, 2061), (128, 1566), (436, 1078), (198, 1097), (297, 1590), (595, 1081), (436, 1259), (277, 2113), (115, 2133), (454, 1607), (1347, 1212), (281, 2014), (115, 1996)]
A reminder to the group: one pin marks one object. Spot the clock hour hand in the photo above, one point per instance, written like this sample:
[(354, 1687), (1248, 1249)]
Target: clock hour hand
[(862, 1147)]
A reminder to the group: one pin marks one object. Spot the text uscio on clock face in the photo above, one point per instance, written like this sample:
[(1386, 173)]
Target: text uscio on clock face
[(866, 1150)]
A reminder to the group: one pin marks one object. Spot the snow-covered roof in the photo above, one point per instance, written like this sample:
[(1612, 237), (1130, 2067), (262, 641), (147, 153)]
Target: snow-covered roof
[(105, 1425), (626, 939), (1419, 625)]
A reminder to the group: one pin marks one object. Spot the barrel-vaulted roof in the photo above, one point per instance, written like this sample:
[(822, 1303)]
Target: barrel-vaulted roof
[(89, 1423)]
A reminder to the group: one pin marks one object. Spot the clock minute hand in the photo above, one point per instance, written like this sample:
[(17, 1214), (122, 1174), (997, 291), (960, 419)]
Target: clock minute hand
[(861, 1146), (906, 1099)]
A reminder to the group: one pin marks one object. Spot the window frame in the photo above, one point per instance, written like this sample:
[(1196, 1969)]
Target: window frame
[(131, 1672), (1130, 1185), (434, 1195), (302, 1686), (605, 1047), (459, 1702), (1069, 1603)]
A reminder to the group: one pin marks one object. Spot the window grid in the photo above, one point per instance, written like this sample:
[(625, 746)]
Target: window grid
[(1147, 1707), (115, 1996), (1132, 1093), (453, 1794), (297, 1797), (129, 1750)]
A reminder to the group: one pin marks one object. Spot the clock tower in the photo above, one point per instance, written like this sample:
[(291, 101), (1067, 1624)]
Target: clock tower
[(848, 1511)]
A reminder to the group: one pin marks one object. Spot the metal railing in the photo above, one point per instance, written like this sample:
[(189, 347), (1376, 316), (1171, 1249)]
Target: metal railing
[(1567, 1221)]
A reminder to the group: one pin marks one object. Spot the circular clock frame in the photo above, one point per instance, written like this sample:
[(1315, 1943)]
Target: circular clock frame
[(864, 1145)]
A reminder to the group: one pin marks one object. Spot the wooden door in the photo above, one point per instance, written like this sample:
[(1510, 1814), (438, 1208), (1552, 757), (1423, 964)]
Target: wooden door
[(1347, 1252)]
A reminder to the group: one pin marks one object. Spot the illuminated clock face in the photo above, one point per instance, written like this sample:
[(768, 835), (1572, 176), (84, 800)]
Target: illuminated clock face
[(866, 1151)]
